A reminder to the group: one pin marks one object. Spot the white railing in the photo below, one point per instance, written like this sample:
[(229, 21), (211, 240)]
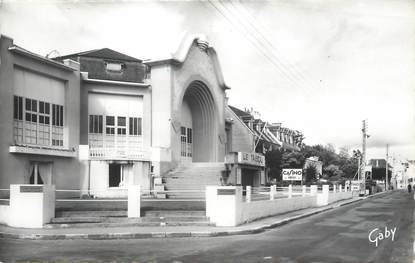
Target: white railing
[(120, 194), (117, 146), (251, 194), (115, 153)]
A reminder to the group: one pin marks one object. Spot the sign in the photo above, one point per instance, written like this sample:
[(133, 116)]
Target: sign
[(251, 159), (355, 185), (226, 191), (31, 189), (292, 174)]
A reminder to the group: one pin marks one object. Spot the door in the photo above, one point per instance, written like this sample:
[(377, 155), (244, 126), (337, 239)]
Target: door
[(186, 144)]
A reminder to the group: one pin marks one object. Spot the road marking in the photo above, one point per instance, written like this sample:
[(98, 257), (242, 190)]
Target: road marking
[(267, 258)]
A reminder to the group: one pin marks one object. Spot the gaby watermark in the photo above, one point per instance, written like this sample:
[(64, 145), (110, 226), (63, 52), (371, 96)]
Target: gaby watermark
[(377, 235)]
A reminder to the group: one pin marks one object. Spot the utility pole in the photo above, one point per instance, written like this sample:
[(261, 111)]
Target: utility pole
[(363, 163), (387, 170)]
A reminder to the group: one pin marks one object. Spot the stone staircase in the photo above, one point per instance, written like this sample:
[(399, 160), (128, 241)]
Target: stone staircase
[(91, 219), (154, 212), (192, 177)]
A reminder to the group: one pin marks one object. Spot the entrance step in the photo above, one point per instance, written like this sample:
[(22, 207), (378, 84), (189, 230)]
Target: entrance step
[(192, 176), (75, 219)]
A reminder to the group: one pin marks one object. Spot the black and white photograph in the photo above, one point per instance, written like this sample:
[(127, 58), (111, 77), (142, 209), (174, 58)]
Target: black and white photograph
[(207, 131)]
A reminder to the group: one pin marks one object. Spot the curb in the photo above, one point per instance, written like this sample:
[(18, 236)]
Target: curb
[(112, 236)]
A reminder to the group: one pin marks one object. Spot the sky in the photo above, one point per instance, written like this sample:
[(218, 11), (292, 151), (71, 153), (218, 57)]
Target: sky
[(317, 66)]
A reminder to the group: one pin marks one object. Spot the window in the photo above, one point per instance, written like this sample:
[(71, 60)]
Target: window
[(31, 121), (186, 142), (110, 125), (114, 66), (18, 108), (18, 119), (37, 122), (135, 126), (121, 123), (57, 125), (44, 123), (95, 124), (189, 142)]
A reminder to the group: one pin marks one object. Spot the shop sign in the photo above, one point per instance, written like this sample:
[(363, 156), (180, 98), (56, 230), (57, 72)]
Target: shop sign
[(292, 174), (355, 185), (251, 159)]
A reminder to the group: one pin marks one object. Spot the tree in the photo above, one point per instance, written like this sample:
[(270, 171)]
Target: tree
[(292, 160), (273, 161), (333, 171), (310, 173)]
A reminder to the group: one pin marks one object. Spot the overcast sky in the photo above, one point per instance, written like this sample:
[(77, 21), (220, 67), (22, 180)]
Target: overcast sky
[(317, 66)]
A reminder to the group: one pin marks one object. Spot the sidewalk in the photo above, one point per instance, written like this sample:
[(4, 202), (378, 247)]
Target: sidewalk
[(167, 231)]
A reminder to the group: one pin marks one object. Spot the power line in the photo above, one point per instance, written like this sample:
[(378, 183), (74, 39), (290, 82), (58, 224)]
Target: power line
[(260, 49), (256, 26)]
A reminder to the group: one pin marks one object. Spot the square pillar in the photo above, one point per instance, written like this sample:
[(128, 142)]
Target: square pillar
[(323, 198), (248, 194), (272, 192), (303, 192), (223, 205), (134, 201), (290, 191), (31, 206), (313, 190)]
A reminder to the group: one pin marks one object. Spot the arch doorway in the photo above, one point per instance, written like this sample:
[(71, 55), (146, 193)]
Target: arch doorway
[(198, 131)]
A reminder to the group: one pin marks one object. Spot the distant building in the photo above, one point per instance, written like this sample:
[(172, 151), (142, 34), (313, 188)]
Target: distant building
[(407, 174), (376, 170), (313, 161)]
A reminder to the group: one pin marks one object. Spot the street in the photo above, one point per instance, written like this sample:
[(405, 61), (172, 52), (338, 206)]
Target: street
[(338, 235)]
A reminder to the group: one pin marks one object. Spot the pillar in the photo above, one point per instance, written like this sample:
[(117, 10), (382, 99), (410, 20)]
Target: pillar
[(272, 192), (313, 190), (31, 206), (248, 194), (134, 201)]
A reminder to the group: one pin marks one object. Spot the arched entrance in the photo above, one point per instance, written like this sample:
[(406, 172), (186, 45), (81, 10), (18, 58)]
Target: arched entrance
[(198, 132)]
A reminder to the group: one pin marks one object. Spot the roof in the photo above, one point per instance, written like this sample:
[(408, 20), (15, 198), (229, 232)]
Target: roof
[(183, 50), (19, 50), (104, 53), (238, 112), (263, 135)]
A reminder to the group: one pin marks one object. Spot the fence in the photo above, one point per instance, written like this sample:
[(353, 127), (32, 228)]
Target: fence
[(232, 205), (225, 205)]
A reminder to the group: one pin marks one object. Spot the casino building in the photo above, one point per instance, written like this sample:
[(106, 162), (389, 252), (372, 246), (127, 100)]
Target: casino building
[(100, 120)]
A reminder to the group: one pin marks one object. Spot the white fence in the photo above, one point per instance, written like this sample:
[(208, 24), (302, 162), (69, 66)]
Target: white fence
[(231, 206), (225, 205)]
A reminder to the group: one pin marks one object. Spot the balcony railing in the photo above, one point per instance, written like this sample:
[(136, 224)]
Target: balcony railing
[(116, 147), (118, 153)]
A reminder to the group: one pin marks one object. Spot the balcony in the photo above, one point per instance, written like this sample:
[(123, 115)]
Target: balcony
[(42, 150), (119, 147), (102, 153)]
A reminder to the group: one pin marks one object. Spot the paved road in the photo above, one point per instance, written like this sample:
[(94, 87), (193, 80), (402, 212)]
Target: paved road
[(339, 235)]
